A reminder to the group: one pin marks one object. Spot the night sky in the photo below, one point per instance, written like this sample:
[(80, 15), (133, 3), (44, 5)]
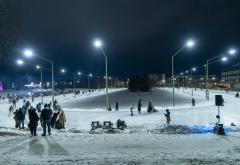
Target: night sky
[(140, 36)]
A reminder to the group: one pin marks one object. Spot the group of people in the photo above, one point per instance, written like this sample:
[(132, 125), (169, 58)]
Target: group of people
[(47, 118)]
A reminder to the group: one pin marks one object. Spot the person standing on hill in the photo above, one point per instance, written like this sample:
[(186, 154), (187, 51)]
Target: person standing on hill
[(168, 117), (33, 121), (116, 106), (45, 117), (139, 106)]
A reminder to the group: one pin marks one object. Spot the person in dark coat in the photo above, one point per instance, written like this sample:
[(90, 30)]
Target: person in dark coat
[(139, 106), (21, 118), (116, 106), (33, 121), (237, 94), (54, 118), (193, 102), (150, 107), (16, 118), (46, 116)]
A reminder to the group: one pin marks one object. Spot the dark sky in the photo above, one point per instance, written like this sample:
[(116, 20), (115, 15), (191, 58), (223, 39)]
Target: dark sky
[(139, 35)]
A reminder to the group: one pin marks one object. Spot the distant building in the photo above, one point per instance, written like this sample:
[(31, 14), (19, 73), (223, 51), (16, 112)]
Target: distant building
[(232, 76), (157, 80)]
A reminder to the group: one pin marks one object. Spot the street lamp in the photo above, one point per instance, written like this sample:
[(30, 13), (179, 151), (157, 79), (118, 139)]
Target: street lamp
[(224, 59), (212, 60), (89, 76), (28, 53), (74, 79), (188, 44), (40, 68), (192, 70), (98, 44), (21, 62)]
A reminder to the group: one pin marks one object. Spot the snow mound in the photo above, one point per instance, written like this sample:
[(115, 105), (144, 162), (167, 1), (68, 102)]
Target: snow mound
[(183, 129), (107, 131)]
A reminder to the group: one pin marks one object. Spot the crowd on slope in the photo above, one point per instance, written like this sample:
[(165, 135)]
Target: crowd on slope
[(47, 117)]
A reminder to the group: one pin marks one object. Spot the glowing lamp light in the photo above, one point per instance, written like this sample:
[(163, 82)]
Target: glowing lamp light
[(224, 59), (190, 43), (79, 73), (90, 75), (28, 53), (194, 69), (97, 43), (63, 70), (232, 51), (38, 67), (20, 62)]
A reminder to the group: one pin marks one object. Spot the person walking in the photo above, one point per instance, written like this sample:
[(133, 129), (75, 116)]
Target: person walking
[(33, 121), (11, 108), (139, 106), (45, 117)]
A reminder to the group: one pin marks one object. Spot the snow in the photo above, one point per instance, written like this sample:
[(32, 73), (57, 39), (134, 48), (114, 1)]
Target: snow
[(147, 140)]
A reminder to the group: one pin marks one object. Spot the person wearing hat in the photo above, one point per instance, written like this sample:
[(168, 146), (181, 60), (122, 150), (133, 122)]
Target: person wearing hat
[(168, 117)]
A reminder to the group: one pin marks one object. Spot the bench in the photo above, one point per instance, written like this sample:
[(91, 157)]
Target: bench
[(95, 125), (107, 125)]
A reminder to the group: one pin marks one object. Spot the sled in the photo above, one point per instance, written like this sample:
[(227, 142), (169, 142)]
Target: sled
[(121, 124)]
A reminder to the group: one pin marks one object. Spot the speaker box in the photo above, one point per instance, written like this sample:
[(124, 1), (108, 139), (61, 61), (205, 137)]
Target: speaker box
[(218, 100)]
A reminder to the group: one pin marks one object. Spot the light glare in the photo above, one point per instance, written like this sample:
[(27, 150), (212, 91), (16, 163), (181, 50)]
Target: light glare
[(98, 43), (63, 70), (232, 51), (190, 43), (20, 62), (28, 53), (224, 59)]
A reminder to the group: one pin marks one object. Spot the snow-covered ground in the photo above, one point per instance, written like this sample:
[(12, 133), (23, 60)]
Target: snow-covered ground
[(146, 140)]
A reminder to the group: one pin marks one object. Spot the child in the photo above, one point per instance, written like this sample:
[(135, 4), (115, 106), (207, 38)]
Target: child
[(131, 109), (167, 115)]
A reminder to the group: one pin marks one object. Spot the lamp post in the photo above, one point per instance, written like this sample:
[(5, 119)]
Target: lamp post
[(21, 62), (183, 77), (29, 53), (39, 67), (98, 44), (193, 69), (89, 76), (74, 79), (79, 74), (188, 44), (213, 60)]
